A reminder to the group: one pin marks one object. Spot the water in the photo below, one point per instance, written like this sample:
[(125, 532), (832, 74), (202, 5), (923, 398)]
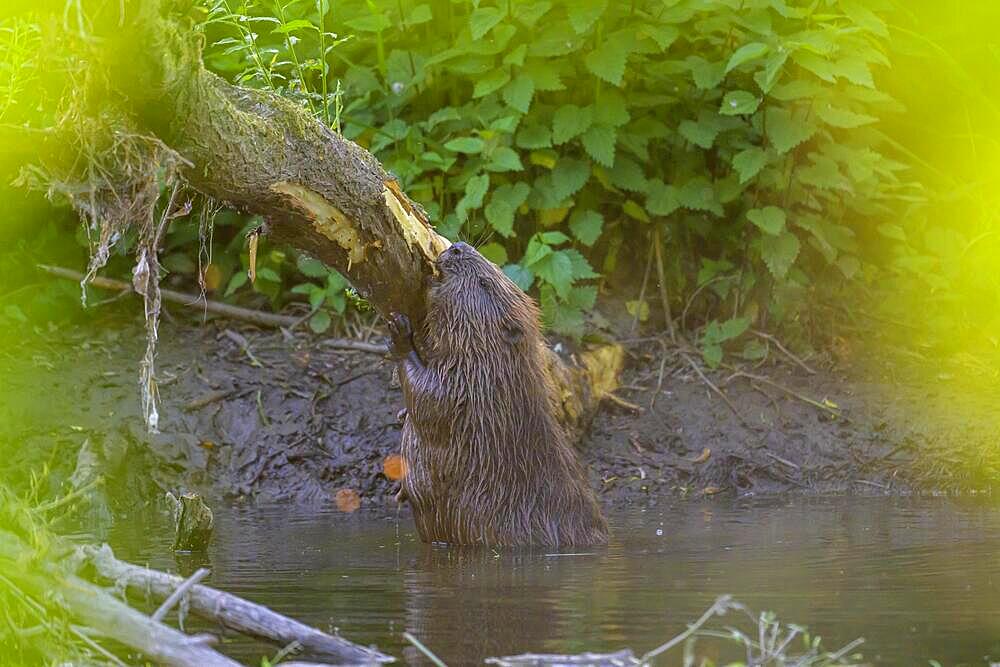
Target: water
[(918, 578)]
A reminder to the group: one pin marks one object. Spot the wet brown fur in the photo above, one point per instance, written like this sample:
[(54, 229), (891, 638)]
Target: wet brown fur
[(486, 460)]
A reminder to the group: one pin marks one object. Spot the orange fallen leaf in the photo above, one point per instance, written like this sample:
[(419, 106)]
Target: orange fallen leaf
[(394, 467), (711, 490), (705, 453), (347, 500)]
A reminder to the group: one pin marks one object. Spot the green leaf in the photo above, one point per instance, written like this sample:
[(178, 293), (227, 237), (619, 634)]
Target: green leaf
[(370, 23), (855, 70), (494, 252), (310, 267), (482, 20), (749, 162), (661, 199), (746, 53), (779, 253), (583, 13), (536, 251), (843, 117), (553, 238), (770, 219), (786, 131), (570, 121), (706, 75), (419, 14), (503, 206), (491, 82), (320, 321), (316, 297), (556, 269), (443, 115), (733, 328), (518, 93), (520, 276), (268, 274), (581, 267), (700, 134), (634, 211), (612, 109), (582, 296), (586, 226), (470, 145), (568, 176), (529, 13), (599, 142), (892, 231), (864, 17), (663, 35), (818, 65), (292, 26), (607, 61), (698, 194), (712, 354), (475, 190), (532, 136), (628, 175), (767, 77), (238, 280), (504, 159), (545, 75), (739, 103)]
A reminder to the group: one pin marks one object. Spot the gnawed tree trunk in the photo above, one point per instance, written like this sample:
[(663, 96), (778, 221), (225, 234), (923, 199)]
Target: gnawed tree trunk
[(318, 191)]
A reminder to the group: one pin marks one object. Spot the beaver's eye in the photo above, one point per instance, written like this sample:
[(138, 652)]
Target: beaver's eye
[(512, 333), (486, 284)]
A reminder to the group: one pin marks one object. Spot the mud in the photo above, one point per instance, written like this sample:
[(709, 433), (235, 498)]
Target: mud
[(251, 414)]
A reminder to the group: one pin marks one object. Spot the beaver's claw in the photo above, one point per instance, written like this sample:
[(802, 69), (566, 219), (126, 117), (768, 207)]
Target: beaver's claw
[(402, 334)]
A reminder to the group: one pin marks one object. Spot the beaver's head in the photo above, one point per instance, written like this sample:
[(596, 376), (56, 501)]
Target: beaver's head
[(473, 296)]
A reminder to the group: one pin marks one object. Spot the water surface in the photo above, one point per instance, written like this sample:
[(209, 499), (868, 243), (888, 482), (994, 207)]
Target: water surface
[(919, 579)]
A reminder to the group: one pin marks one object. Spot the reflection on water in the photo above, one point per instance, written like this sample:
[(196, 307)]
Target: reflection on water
[(918, 578)]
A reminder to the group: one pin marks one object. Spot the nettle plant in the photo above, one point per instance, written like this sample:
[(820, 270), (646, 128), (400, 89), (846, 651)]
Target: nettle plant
[(559, 135)]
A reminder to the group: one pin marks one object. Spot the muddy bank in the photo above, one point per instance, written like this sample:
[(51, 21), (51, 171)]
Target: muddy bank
[(249, 414)]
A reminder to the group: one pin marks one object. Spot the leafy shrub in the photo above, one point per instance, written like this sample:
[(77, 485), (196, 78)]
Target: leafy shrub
[(556, 133)]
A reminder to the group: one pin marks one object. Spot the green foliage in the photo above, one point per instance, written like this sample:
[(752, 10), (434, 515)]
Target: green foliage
[(564, 129)]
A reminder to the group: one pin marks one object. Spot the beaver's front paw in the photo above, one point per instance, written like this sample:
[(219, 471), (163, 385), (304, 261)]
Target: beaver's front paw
[(402, 334)]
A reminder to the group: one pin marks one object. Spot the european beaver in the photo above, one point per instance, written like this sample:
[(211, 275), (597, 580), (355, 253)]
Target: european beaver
[(486, 460)]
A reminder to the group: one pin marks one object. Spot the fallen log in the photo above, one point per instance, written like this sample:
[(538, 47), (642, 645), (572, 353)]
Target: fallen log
[(231, 611), (102, 612)]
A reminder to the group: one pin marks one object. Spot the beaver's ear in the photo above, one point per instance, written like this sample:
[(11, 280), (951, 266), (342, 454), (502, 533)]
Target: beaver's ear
[(512, 333)]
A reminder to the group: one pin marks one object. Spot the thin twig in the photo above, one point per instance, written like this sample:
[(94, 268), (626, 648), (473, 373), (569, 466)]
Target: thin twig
[(70, 497), (190, 300), (642, 290), (617, 400), (720, 607), (768, 337), (423, 649), (207, 399), (713, 387), (663, 285), (791, 392), (175, 597)]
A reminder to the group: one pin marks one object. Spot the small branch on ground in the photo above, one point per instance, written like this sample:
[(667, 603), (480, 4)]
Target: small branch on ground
[(833, 410), (771, 339), (714, 388)]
